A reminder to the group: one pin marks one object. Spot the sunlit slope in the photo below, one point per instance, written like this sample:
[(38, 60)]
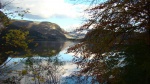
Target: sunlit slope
[(40, 30)]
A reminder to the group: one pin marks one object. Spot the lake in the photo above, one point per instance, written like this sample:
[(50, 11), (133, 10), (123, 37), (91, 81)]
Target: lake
[(48, 64)]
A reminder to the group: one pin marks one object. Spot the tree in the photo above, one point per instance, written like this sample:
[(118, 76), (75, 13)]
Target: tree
[(12, 41), (16, 40), (3, 21), (121, 28)]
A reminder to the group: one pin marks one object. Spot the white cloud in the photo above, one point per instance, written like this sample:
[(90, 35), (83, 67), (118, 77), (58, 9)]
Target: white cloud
[(67, 15), (50, 8), (73, 26)]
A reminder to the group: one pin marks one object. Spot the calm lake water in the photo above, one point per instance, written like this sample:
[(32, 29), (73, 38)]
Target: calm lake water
[(49, 64)]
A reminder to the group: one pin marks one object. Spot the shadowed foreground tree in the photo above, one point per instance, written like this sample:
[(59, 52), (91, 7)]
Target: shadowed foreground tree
[(12, 40), (116, 50)]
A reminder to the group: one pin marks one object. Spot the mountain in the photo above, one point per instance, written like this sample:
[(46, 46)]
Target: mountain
[(40, 31)]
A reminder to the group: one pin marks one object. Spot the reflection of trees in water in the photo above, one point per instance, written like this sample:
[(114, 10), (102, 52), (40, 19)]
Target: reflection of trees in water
[(38, 70), (34, 69), (44, 48)]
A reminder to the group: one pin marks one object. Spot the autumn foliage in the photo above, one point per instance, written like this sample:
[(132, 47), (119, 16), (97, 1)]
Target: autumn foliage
[(116, 49)]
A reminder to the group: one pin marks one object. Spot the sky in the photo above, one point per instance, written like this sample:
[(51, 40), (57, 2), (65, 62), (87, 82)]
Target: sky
[(68, 14)]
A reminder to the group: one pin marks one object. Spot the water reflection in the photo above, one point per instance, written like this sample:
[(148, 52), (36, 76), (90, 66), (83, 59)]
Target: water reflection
[(48, 48), (48, 65)]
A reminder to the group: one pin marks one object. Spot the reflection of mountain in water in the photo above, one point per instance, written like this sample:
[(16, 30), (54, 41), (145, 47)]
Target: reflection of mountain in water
[(44, 48), (45, 69), (48, 48)]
